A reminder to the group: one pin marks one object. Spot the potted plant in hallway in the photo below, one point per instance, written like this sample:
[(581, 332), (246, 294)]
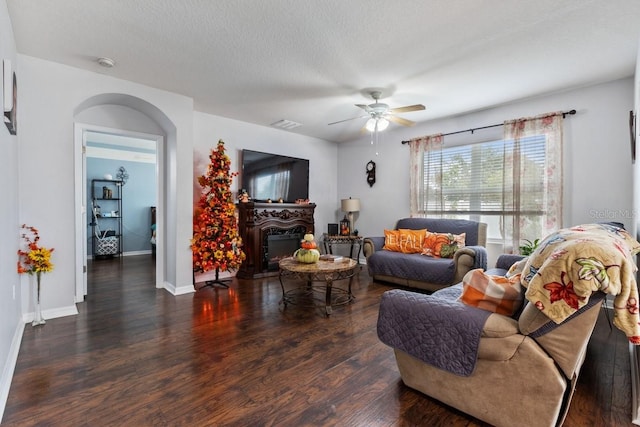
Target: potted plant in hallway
[(34, 259)]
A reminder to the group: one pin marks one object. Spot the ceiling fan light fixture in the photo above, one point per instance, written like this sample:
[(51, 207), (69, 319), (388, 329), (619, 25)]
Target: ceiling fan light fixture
[(376, 124), (379, 114)]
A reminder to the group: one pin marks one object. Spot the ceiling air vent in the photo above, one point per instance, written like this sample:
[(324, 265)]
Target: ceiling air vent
[(286, 124)]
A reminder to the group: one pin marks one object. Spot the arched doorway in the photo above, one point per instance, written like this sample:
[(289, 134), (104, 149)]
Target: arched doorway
[(127, 115)]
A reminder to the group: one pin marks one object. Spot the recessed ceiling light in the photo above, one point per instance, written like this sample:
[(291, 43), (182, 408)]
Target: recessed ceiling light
[(106, 62)]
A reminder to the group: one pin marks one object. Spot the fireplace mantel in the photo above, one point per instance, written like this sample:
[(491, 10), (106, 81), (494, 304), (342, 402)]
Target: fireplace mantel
[(257, 220)]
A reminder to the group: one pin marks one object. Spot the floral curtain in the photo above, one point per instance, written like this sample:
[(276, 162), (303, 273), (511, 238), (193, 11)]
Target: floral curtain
[(419, 194), (522, 201)]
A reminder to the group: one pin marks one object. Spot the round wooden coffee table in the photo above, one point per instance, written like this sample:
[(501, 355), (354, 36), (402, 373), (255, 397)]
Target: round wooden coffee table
[(324, 272)]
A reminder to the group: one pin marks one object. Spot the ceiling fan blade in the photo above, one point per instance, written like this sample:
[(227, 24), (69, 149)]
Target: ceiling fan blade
[(364, 107), (352, 118), (408, 108), (400, 121)]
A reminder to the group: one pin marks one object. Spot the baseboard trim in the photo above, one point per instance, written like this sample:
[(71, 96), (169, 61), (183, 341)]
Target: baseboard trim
[(130, 253), (134, 253), (179, 290), (635, 383), (52, 313), (9, 367)]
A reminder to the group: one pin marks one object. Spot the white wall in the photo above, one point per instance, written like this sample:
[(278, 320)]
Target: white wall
[(238, 135), (49, 95), (119, 117), (11, 325), (633, 349), (597, 157), (636, 166)]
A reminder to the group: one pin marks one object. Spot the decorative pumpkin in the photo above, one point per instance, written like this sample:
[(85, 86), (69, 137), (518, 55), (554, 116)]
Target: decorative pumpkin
[(307, 256), (308, 253), (308, 245)]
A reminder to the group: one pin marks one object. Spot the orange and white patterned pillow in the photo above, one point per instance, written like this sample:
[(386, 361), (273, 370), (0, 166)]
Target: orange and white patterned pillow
[(434, 242), (498, 294)]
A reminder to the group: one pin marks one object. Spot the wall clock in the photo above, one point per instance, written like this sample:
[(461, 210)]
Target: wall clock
[(371, 173)]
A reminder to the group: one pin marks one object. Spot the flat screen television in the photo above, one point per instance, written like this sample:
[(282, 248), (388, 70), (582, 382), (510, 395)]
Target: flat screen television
[(273, 177)]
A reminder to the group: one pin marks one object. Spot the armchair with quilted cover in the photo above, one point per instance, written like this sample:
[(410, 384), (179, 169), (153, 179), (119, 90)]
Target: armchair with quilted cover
[(523, 369)]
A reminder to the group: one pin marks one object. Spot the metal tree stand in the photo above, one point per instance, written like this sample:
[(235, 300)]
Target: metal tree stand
[(212, 283)]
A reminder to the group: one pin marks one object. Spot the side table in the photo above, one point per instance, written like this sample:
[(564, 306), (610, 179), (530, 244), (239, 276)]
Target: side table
[(335, 239)]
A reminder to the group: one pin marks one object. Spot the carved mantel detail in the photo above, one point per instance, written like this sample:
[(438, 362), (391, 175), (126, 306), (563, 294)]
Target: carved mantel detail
[(284, 214), (256, 220)]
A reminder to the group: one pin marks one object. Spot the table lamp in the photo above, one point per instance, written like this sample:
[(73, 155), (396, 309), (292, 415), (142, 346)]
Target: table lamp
[(350, 206)]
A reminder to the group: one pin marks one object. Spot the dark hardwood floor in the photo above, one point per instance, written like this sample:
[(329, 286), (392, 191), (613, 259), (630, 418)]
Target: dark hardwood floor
[(138, 356)]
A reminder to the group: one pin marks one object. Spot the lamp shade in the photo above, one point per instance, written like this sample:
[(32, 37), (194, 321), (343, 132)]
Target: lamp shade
[(350, 205)]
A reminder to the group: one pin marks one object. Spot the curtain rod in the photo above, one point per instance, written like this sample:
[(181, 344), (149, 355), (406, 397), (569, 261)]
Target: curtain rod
[(564, 115)]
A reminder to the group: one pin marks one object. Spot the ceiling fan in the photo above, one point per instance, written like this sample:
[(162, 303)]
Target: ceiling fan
[(381, 114)]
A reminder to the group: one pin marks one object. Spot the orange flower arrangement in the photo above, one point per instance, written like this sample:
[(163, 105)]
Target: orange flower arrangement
[(35, 259)]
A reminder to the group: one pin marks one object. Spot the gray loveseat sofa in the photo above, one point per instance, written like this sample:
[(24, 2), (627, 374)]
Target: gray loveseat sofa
[(424, 272)]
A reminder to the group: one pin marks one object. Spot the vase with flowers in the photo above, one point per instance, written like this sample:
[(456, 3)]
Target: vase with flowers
[(34, 260)]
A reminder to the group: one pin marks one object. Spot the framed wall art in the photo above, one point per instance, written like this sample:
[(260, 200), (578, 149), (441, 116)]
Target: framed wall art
[(9, 97), (632, 135)]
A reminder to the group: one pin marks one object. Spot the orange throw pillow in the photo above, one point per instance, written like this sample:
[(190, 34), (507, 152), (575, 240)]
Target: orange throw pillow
[(412, 241), (442, 245), (392, 240)]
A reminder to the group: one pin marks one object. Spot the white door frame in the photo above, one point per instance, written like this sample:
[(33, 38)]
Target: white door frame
[(80, 131)]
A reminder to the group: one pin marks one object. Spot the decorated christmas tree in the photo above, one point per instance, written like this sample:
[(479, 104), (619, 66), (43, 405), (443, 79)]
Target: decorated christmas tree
[(216, 244)]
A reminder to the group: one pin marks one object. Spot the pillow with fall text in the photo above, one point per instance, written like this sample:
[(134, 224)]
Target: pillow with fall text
[(411, 241), (392, 240)]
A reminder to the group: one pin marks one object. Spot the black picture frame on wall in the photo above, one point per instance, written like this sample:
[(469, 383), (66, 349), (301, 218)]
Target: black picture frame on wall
[(10, 119), (632, 135)]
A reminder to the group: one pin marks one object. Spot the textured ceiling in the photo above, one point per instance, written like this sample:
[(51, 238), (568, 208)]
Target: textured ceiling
[(309, 61)]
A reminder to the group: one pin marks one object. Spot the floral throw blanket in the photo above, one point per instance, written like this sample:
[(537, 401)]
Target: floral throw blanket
[(571, 264)]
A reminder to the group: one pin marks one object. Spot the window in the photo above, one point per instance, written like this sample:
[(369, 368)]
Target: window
[(514, 184), (476, 182)]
